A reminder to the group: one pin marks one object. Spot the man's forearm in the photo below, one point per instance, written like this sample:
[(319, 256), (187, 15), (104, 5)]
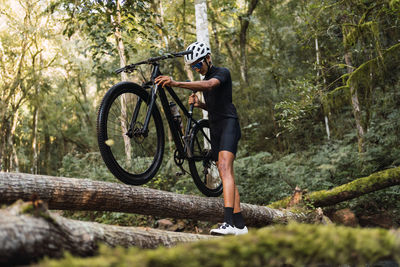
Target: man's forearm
[(200, 86)]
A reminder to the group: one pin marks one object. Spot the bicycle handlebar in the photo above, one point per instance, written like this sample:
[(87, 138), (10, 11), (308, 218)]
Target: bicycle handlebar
[(131, 67)]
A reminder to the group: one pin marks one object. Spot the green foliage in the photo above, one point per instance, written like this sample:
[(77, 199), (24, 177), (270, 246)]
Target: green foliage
[(99, 20), (89, 166), (113, 218), (369, 74), (300, 102), (264, 178), (381, 140), (320, 167)]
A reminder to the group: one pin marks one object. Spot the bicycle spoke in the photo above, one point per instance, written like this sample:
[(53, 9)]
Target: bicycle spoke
[(135, 155), (116, 123), (202, 167), (144, 149)]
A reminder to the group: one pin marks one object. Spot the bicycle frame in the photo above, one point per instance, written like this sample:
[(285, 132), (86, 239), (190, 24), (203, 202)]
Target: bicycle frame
[(181, 141)]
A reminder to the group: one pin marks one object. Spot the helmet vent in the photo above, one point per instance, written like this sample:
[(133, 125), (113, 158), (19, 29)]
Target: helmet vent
[(200, 50)]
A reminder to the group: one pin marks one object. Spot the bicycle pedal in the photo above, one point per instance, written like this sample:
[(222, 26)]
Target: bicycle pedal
[(179, 174)]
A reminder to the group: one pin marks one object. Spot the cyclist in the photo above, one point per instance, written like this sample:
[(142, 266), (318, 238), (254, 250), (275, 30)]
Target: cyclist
[(224, 127)]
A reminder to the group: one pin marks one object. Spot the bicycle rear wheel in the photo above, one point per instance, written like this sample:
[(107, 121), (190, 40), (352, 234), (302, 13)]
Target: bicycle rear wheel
[(203, 169), (131, 156)]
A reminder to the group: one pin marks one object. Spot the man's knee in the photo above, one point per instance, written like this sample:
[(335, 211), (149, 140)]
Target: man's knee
[(223, 166), (225, 162)]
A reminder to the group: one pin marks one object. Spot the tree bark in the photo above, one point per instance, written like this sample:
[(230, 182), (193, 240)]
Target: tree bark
[(202, 21), (83, 194), (14, 162), (28, 231), (34, 137), (355, 103), (124, 77), (244, 25), (202, 36), (354, 189), (319, 72)]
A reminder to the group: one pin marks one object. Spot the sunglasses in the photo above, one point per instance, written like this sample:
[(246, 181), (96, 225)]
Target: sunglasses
[(198, 65)]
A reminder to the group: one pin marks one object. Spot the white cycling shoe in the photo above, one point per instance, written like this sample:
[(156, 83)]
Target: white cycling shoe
[(224, 229), (242, 231), (227, 229)]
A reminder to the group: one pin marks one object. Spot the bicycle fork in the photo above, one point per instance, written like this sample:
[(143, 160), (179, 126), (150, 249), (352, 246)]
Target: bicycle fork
[(144, 131)]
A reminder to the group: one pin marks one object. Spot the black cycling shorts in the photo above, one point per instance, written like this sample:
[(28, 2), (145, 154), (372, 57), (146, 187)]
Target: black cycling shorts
[(225, 135)]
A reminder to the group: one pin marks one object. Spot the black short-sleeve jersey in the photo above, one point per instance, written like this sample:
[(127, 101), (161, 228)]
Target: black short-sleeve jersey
[(219, 99)]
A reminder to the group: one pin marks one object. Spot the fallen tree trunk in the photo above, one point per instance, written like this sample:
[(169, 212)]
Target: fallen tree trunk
[(29, 232), (83, 194), (281, 245), (354, 189)]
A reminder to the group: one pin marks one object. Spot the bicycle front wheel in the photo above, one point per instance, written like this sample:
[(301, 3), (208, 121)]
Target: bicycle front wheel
[(131, 155), (203, 169)]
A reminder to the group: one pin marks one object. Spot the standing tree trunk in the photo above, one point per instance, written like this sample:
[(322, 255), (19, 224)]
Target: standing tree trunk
[(124, 77), (6, 153), (216, 58), (319, 72), (47, 145), (187, 69), (11, 153), (244, 25), (202, 33), (157, 8), (355, 104), (34, 141), (202, 36)]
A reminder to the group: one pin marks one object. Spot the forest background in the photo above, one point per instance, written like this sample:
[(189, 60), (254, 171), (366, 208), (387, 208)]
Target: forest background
[(315, 84)]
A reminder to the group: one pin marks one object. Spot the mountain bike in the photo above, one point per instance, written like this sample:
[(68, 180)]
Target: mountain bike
[(130, 132)]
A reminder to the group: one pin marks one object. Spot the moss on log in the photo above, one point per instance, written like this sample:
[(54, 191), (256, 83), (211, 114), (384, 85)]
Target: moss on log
[(293, 244), (356, 188)]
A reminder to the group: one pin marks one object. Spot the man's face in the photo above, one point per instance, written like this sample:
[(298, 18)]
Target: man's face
[(203, 69)]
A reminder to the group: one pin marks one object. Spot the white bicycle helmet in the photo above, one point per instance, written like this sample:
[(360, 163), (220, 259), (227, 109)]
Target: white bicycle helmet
[(199, 49)]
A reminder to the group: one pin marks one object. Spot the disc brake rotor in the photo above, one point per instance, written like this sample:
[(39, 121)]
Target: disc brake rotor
[(138, 136)]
